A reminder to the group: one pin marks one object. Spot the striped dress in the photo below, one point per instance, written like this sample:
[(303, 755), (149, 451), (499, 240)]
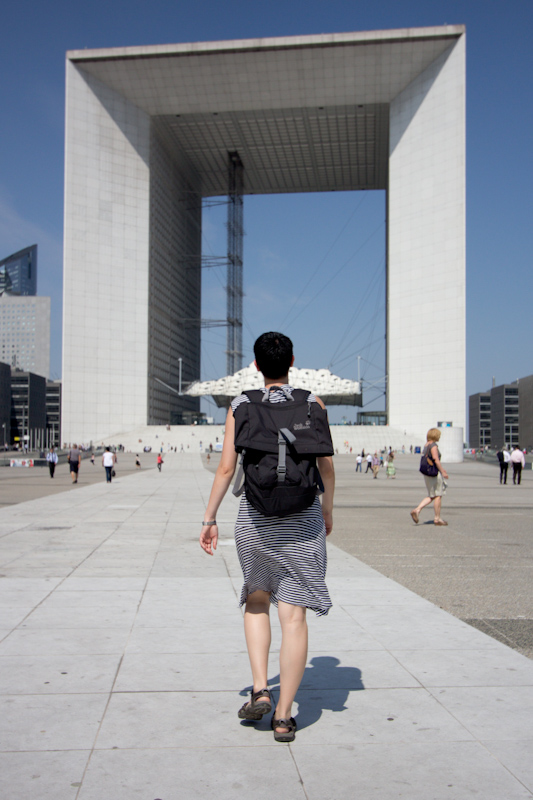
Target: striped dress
[(285, 556)]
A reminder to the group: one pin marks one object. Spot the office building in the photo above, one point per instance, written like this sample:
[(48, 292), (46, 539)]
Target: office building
[(28, 408), (149, 132), (503, 415), (479, 420), (5, 404), (53, 412), (525, 412), (504, 404), (25, 333), (18, 272)]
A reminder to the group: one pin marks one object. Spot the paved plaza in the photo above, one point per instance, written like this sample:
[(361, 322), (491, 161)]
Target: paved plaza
[(19, 484), (124, 662)]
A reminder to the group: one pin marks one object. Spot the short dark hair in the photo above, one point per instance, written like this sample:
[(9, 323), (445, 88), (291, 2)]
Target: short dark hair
[(273, 353)]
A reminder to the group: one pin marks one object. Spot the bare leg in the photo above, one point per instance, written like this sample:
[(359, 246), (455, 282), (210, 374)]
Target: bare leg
[(258, 636), (292, 657), (425, 502), (436, 507)]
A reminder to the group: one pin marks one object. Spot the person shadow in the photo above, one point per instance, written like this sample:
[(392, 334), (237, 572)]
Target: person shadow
[(325, 686)]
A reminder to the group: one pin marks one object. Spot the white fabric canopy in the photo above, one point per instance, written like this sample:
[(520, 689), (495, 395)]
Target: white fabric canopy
[(331, 389)]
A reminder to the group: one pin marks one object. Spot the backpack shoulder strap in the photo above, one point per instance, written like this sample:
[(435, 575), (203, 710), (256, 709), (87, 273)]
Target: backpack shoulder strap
[(254, 395), (301, 394)]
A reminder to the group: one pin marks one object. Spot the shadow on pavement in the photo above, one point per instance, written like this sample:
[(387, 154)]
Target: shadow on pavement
[(325, 686)]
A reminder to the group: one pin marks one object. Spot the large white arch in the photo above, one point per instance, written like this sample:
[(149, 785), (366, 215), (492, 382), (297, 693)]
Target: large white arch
[(148, 130)]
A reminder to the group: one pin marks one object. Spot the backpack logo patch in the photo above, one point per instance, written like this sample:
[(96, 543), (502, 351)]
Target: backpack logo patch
[(302, 426)]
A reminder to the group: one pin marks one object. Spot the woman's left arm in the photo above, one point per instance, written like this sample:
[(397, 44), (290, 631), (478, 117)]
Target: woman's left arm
[(221, 483), (434, 454)]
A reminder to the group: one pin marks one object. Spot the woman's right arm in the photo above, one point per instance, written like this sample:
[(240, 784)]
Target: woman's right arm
[(327, 473), (434, 455), (221, 483)]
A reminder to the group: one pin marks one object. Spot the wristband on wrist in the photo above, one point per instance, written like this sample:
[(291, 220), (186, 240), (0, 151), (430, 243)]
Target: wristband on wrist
[(209, 522)]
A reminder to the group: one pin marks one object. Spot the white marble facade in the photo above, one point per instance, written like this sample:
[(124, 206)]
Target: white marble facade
[(105, 295), (148, 131), (426, 248)]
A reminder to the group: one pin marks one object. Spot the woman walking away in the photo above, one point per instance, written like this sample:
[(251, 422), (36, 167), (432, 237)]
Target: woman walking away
[(435, 485), (281, 526)]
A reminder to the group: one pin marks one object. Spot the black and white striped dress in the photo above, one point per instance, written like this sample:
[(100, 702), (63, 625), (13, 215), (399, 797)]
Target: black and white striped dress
[(285, 556)]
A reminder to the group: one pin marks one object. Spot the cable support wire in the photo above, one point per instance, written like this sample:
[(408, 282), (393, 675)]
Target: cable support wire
[(352, 215), (357, 352), (204, 323), (336, 274), (363, 300), (205, 262)]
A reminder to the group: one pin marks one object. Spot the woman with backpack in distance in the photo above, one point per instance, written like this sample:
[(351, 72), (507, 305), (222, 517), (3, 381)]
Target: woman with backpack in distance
[(435, 485), (282, 555)]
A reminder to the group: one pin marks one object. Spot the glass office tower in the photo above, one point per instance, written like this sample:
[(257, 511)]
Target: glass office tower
[(18, 272)]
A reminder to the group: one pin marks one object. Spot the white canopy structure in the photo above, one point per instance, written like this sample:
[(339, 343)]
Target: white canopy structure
[(331, 389)]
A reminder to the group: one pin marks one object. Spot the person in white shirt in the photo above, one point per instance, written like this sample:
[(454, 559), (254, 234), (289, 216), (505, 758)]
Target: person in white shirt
[(52, 459), (359, 463), (108, 461), (518, 461)]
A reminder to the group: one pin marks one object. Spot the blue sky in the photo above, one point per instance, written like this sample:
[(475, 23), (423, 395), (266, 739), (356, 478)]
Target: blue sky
[(301, 252)]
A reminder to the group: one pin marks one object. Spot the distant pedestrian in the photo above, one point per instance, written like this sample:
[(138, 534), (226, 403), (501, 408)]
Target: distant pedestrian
[(108, 462), (74, 460), (52, 459), (159, 461), (436, 486), (359, 463), (518, 461), (375, 464), (92, 459), (137, 462), (391, 469), (504, 457), (368, 463)]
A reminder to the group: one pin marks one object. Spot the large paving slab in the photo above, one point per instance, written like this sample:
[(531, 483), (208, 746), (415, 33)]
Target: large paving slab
[(123, 664)]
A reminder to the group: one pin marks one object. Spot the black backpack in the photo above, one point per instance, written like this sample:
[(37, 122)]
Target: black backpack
[(279, 443)]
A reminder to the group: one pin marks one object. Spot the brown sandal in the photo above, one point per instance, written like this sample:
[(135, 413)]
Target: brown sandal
[(289, 735), (254, 710)]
